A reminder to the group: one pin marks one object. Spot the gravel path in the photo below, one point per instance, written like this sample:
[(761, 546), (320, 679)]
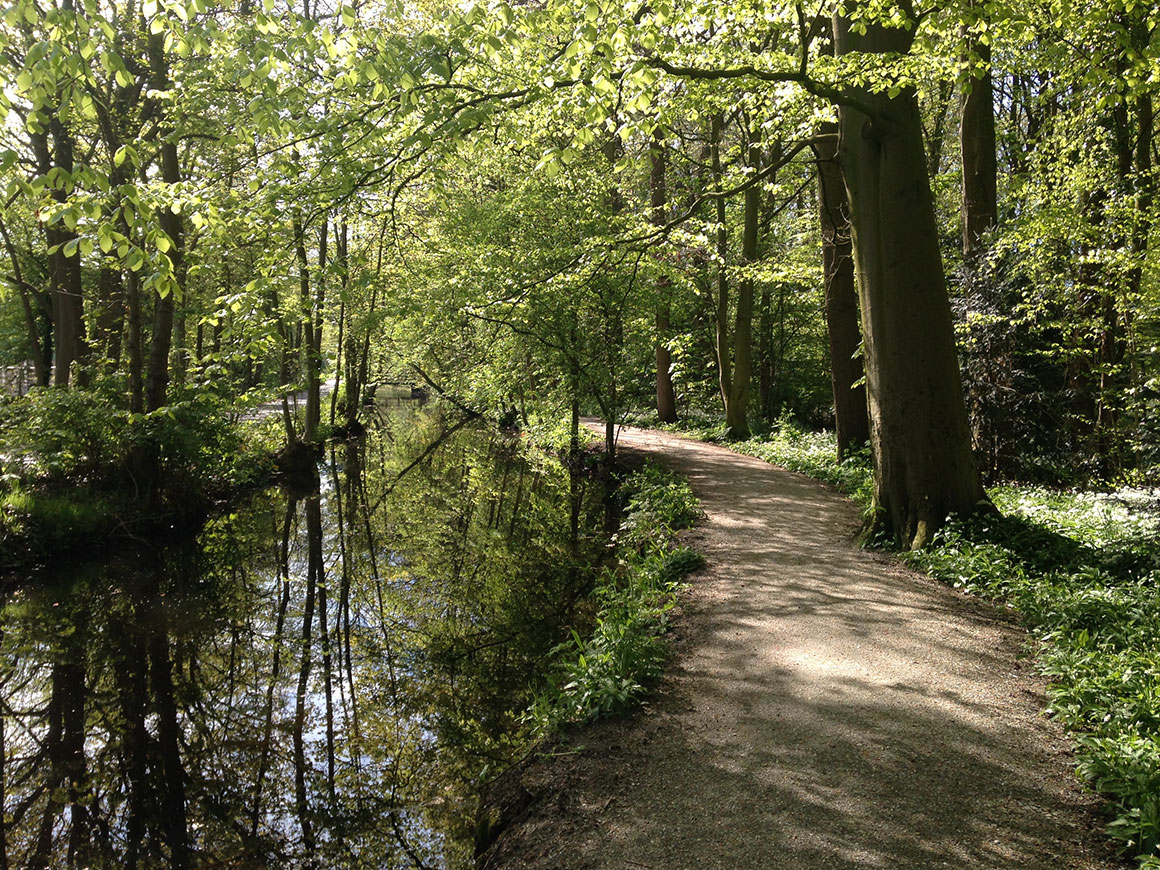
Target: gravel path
[(825, 708)]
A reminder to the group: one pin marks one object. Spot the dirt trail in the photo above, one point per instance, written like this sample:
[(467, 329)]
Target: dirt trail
[(825, 708)]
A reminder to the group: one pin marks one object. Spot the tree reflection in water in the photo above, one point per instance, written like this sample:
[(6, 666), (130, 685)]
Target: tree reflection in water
[(316, 681)]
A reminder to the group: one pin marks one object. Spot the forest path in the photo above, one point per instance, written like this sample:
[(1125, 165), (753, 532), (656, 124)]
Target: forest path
[(825, 708)]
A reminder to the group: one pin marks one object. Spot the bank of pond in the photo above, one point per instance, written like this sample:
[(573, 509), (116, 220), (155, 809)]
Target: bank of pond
[(318, 678)]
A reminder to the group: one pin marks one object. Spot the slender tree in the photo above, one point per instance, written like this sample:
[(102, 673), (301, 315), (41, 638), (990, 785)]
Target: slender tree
[(851, 423)]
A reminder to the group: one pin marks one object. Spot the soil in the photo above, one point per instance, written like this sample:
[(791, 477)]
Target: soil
[(825, 707)]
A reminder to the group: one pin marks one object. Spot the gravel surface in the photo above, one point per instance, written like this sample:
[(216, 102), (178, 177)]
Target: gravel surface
[(825, 707)]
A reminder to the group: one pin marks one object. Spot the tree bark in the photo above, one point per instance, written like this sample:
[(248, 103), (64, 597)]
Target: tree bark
[(724, 356), (68, 298), (980, 208), (310, 303), (737, 407), (133, 337), (65, 272), (923, 467), (33, 303), (851, 423), (110, 319), (157, 373), (658, 200)]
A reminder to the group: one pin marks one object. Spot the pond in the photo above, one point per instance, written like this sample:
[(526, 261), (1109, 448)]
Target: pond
[(316, 679)]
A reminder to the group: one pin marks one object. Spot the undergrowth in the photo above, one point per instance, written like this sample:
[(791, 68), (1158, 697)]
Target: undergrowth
[(1081, 569), (609, 669), (1083, 572), (73, 467)]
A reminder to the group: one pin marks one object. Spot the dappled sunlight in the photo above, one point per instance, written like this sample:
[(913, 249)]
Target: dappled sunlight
[(832, 709)]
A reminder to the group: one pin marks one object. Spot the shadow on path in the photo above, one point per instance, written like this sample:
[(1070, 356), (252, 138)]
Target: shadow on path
[(825, 708)]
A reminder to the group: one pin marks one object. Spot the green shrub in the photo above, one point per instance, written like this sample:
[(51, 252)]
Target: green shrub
[(608, 671), (73, 466), (56, 435), (658, 504)]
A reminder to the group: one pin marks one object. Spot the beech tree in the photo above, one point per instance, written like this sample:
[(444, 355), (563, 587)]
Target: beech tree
[(923, 466), (924, 469), (581, 206)]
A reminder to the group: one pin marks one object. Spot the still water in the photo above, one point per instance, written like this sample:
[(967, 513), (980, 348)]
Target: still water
[(317, 679)]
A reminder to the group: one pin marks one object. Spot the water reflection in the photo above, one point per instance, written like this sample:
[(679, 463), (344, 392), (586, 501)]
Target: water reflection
[(315, 681)]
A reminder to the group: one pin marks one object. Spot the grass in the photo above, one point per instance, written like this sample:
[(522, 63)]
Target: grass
[(608, 670), (1082, 570)]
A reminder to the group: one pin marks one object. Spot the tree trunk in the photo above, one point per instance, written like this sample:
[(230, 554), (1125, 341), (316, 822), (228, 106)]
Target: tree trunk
[(923, 467), (133, 337), (68, 303), (342, 251), (936, 136), (666, 396), (846, 376), (977, 142), (724, 355), (157, 373), (309, 305), (765, 354), (737, 408), (33, 302), (65, 271), (110, 319)]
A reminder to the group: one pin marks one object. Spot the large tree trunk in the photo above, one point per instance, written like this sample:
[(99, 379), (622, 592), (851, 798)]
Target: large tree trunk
[(977, 142), (666, 395), (923, 467), (851, 423)]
